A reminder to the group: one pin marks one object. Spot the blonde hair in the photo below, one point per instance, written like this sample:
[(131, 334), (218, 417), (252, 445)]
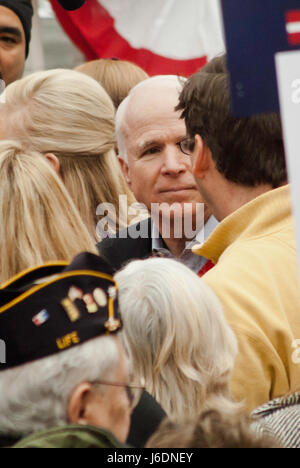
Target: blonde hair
[(177, 337), (68, 114), (39, 221), (117, 77)]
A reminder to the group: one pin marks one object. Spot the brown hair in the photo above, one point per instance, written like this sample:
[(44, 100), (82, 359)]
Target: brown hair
[(248, 151), (211, 430), (117, 77), (216, 65)]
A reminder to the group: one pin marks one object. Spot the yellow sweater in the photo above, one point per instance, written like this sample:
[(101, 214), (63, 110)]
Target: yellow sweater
[(256, 279)]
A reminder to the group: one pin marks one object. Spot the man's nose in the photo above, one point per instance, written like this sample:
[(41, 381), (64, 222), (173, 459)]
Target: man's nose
[(173, 162)]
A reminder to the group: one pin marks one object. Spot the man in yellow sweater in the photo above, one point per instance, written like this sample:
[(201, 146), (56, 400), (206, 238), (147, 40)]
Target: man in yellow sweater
[(239, 166)]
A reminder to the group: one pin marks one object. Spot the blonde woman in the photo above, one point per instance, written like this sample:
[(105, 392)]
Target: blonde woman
[(177, 338), (39, 221), (69, 118), (117, 77)]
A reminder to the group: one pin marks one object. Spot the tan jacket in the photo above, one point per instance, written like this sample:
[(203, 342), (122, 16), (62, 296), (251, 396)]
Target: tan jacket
[(256, 279)]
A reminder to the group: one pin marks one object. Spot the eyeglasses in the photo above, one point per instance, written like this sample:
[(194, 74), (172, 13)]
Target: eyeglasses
[(187, 145), (134, 392)]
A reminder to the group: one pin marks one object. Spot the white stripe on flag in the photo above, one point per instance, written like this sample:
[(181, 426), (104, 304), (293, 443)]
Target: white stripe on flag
[(293, 28), (168, 27)]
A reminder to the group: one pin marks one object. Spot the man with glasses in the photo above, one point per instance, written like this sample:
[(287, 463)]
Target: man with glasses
[(15, 31), (240, 170), (65, 382), (155, 158)]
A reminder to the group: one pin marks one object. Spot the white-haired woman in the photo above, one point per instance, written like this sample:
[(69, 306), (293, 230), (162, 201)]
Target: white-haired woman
[(69, 117), (39, 221), (177, 337)]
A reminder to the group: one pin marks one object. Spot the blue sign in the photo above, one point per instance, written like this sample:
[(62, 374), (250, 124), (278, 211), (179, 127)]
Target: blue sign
[(255, 30)]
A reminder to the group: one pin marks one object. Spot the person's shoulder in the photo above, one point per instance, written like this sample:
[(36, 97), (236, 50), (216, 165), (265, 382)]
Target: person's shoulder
[(72, 436), (258, 255), (280, 418), (131, 243)]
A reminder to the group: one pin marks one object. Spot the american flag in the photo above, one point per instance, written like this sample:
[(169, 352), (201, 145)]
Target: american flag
[(161, 36), (41, 318), (293, 27)]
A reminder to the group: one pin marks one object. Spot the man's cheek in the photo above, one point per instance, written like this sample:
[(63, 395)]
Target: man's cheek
[(13, 67)]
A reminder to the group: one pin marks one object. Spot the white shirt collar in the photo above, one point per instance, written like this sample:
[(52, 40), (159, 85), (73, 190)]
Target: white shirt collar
[(203, 234)]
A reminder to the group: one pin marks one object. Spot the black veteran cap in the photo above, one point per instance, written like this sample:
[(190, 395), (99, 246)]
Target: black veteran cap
[(23, 9), (49, 309)]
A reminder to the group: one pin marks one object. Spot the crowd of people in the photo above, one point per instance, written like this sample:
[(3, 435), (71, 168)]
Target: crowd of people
[(176, 328)]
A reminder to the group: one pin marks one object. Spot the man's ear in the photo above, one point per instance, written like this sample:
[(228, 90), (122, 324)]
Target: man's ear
[(77, 404), (201, 158), (125, 170), (54, 161)]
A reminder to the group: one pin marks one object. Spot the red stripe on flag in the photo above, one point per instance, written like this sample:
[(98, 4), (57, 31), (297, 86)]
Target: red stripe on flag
[(292, 16), (294, 39), (92, 30)]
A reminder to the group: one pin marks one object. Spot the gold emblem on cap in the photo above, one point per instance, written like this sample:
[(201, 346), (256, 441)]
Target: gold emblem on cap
[(75, 293), (112, 324), (100, 297), (68, 340), (70, 309), (112, 292), (91, 305)]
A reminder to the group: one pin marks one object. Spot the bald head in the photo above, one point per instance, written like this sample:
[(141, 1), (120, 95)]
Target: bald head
[(159, 93), (150, 133)]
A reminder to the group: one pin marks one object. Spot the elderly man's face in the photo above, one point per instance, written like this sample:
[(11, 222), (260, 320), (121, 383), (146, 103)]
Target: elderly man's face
[(157, 170), (12, 46), (111, 410)]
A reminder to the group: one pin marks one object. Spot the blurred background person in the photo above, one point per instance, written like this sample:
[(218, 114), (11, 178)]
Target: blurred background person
[(40, 222), (69, 118), (280, 418), (117, 77), (15, 32), (177, 337)]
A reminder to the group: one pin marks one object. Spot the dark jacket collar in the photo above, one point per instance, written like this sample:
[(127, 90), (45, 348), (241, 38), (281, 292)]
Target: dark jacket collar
[(128, 245), (7, 442)]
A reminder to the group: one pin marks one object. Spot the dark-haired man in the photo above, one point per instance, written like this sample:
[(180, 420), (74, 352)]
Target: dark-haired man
[(15, 31), (239, 166)]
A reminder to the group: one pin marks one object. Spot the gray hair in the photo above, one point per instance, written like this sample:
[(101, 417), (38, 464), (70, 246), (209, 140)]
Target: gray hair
[(160, 81), (35, 396), (177, 338)]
